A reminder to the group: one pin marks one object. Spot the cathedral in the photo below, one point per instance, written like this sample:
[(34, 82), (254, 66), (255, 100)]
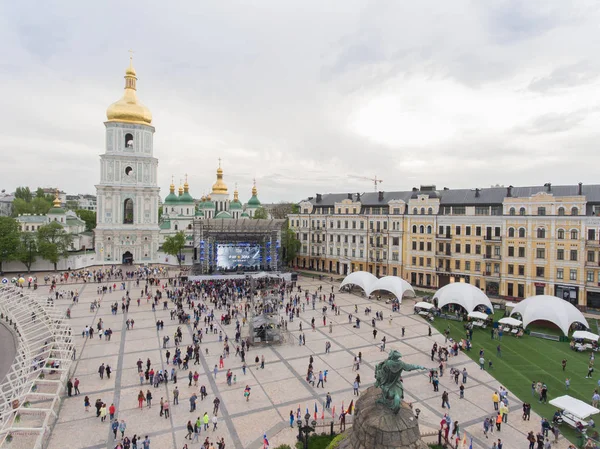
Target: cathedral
[(128, 228)]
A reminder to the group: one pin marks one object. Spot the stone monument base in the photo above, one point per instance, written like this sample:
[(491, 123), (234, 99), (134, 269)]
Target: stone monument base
[(376, 427)]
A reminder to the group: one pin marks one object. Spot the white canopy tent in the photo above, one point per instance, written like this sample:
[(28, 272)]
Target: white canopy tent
[(585, 335), (369, 284), (466, 295), (393, 284), (575, 407), (478, 315), (362, 279), (424, 305), (510, 321), (549, 308)]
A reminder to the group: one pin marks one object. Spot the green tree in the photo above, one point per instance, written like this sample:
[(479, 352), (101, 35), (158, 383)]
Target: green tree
[(53, 242), (290, 244), (295, 209), (20, 207), (9, 239), (23, 193), (40, 206), (72, 204), (39, 193), (174, 244), (28, 249), (260, 213), (89, 217)]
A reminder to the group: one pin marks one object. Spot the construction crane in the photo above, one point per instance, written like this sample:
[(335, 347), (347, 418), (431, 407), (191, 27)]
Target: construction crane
[(374, 180)]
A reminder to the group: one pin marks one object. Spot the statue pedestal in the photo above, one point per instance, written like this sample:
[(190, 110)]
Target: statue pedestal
[(376, 427)]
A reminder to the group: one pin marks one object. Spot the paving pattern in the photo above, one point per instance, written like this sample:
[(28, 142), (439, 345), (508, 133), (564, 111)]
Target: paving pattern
[(275, 390)]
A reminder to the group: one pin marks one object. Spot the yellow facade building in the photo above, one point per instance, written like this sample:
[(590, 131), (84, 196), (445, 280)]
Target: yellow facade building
[(512, 242)]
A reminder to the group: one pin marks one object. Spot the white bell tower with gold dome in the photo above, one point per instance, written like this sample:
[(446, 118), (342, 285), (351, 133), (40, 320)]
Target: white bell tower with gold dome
[(127, 229)]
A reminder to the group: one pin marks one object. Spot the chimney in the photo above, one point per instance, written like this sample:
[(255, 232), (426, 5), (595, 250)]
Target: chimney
[(415, 189), (446, 188), (319, 197), (476, 193), (380, 196), (349, 196), (548, 187), (509, 191), (358, 197), (580, 189)]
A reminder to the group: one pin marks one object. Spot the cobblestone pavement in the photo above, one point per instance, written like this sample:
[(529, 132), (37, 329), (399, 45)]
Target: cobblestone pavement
[(275, 390)]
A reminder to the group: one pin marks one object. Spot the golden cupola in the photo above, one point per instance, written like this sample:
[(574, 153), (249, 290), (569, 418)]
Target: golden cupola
[(128, 109), (219, 187)]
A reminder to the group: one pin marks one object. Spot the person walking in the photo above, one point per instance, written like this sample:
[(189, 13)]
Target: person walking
[(86, 403), (498, 421), (149, 399), (445, 399), (115, 428), (205, 420), (166, 408), (355, 386), (216, 403), (214, 421), (246, 393), (69, 387), (101, 370), (291, 419), (76, 385), (122, 427), (190, 430), (320, 382)]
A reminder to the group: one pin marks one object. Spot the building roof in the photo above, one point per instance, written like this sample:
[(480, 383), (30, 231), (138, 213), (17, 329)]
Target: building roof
[(165, 224), (223, 214), (32, 219), (484, 196)]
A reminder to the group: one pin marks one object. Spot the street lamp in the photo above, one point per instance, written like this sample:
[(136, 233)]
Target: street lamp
[(306, 429)]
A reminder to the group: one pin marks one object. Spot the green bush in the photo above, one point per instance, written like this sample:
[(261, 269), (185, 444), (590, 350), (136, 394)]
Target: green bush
[(337, 440), (284, 446)]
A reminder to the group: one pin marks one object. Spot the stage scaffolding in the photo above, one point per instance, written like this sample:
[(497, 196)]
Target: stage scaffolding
[(30, 394), (208, 233)]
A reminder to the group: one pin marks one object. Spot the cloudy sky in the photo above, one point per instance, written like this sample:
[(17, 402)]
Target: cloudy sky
[(302, 95)]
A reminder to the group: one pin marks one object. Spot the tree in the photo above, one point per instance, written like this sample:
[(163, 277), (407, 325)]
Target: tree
[(39, 193), (89, 217), (281, 210), (174, 244), (23, 193), (260, 213), (9, 239), (27, 250), (40, 206), (72, 204), (290, 244), (20, 207), (53, 242)]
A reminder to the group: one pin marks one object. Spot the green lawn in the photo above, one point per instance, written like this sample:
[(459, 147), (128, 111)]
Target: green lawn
[(530, 359)]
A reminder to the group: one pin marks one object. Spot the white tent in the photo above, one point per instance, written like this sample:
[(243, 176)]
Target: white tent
[(369, 284), (393, 284), (574, 406), (478, 315), (585, 335), (463, 294), (549, 308), (510, 321), (424, 305), (361, 279)]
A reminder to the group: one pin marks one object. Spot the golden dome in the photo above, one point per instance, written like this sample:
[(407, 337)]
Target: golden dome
[(180, 190), (128, 109), (219, 187), (186, 186), (172, 186), (56, 202), (236, 194), (254, 191)]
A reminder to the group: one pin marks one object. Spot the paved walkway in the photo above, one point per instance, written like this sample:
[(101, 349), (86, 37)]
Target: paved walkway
[(276, 390)]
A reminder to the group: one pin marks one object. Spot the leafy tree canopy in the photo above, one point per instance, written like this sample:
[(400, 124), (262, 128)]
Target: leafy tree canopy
[(173, 245)]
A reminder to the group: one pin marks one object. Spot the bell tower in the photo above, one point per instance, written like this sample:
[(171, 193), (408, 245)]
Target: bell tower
[(127, 229)]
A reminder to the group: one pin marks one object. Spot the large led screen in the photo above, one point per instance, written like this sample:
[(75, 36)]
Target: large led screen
[(234, 256)]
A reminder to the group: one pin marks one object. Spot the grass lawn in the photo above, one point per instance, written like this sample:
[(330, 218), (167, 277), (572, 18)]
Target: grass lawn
[(317, 441), (530, 359)]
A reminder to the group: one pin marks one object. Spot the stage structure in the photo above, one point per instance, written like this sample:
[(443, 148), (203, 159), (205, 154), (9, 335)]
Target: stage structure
[(231, 245), (30, 394)]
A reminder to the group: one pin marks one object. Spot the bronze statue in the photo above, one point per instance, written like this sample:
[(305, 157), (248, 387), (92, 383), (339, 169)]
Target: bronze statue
[(388, 377)]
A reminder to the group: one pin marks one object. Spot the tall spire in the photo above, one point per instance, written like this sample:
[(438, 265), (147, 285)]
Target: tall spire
[(172, 186), (56, 202), (186, 186), (254, 191), (235, 193), (219, 187)]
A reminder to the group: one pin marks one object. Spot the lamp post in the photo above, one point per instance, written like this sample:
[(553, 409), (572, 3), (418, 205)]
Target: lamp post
[(305, 429)]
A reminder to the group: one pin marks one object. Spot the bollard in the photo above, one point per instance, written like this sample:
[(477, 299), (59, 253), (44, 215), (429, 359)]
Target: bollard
[(331, 429), (440, 437)]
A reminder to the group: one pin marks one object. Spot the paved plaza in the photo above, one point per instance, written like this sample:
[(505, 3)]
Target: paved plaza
[(275, 390)]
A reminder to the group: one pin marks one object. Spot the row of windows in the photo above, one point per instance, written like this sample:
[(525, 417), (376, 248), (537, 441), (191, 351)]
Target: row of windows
[(541, 233), (542, 211)]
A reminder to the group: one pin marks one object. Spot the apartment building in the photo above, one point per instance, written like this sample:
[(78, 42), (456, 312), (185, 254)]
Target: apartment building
[(512, 242)]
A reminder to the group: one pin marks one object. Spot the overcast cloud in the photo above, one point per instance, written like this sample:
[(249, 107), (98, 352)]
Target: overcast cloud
[(302, 94)]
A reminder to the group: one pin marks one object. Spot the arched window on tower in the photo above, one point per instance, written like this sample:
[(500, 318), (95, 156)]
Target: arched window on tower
[(128, 140), (128, 211)]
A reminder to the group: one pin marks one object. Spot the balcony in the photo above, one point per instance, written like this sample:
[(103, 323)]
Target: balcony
[(444, 236), (593, 243), (491, 274), (492, 257), (443, 253), (492, 238), (592, 264)]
